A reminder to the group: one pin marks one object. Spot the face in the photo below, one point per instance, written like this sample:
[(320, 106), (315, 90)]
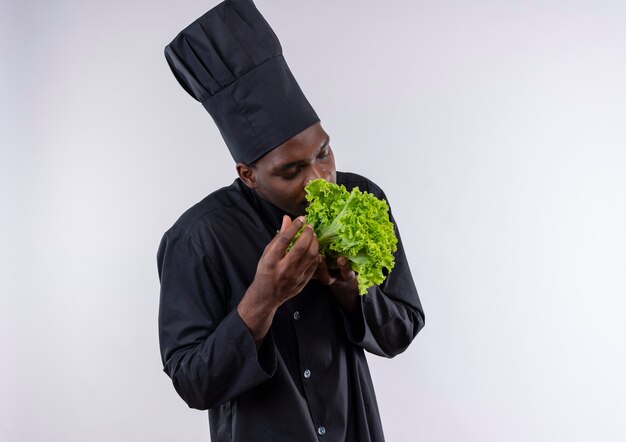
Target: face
[(280, 175)]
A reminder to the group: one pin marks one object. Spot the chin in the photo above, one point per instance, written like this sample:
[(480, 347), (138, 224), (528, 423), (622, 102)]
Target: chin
[(300, 209), (293, 211)]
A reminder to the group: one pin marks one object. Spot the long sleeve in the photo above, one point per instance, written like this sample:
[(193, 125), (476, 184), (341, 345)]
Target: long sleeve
[(391, 314), (206, 348)]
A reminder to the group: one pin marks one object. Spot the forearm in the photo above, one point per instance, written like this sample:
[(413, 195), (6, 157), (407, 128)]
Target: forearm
[(386, 319), (391, 323), (221, 367), (257, 311)]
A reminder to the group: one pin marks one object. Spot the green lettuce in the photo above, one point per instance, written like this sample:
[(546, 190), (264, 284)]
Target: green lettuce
[(355, 225)]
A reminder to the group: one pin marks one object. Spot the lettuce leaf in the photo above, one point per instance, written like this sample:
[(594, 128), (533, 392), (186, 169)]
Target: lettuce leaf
[(355, 225)]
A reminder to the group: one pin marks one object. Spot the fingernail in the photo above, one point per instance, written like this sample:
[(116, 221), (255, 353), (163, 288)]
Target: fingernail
[(301, 219)]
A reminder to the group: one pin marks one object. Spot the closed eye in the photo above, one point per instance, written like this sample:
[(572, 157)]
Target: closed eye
[(292, 175), (324, 152)]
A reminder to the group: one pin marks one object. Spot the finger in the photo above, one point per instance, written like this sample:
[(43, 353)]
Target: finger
[(278, 246), (322, 274), (345, 271), (302, 248), (313, 253), (285, 223), (305, 277), (309, 272)]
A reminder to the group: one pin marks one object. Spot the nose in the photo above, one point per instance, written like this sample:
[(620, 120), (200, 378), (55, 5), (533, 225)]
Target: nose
[(317, 171)]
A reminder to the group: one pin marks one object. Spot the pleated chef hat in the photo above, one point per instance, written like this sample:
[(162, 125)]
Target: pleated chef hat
[(231, 61)]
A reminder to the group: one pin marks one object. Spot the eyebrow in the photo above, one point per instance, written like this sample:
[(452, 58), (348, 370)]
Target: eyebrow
[(303, 162)]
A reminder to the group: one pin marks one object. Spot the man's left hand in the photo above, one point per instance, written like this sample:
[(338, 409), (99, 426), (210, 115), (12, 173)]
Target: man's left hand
[(342, 283)]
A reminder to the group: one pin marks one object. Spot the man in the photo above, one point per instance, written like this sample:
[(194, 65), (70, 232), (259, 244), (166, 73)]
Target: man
[(270, 342)]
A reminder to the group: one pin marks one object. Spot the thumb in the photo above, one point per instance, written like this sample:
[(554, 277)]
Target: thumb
[(345, 270)]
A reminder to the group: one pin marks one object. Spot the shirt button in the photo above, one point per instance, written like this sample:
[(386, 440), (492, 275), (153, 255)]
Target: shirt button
[(307, 373), (296, 315), (321, 431)]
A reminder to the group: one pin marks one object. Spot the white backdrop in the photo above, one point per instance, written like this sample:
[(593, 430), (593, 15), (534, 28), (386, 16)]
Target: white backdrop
[(497, 130)]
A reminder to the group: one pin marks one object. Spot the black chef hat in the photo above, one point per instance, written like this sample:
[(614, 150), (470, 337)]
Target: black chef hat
[(231, 61)]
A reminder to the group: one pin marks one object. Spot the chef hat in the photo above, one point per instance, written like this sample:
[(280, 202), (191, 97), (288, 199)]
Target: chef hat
[(231, 61)]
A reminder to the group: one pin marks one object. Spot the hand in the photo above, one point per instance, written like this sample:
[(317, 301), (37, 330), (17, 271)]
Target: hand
[(342, 283), (280, 274)]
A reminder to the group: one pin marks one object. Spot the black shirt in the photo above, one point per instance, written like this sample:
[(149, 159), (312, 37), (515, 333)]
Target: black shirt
[(309, 381)]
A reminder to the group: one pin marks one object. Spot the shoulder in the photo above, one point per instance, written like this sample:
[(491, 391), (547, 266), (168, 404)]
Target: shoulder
[(351, 180), (208, 212)]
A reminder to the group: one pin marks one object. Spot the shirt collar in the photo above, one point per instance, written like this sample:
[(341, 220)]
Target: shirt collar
[(271, 215)]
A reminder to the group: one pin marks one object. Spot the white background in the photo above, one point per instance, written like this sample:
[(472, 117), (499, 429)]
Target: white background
[(497, 129)]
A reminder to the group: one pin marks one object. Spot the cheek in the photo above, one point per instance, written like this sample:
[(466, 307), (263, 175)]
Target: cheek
[(293, 191)]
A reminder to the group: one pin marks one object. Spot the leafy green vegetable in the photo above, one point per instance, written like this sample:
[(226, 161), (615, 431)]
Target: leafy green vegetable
[(355, 225)]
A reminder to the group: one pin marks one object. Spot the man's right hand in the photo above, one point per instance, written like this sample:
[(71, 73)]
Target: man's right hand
[(280, 276)]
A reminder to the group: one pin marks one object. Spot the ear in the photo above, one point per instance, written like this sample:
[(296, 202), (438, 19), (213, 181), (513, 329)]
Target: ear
[(247, 175)]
